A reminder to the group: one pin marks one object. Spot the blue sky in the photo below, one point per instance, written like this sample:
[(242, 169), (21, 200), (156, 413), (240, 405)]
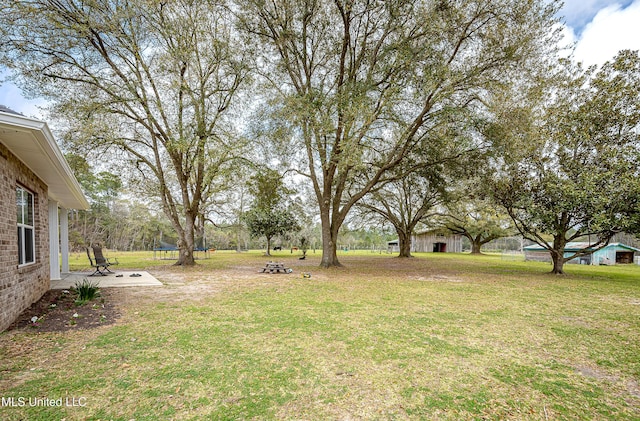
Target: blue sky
[(579, 13), (599, 29)]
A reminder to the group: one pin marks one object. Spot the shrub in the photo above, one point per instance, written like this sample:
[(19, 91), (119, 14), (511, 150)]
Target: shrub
[(87, 291)]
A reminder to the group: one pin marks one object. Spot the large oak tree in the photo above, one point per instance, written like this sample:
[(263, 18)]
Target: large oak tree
[(478, 220), (570, 169), (362, 83), (405, 203), (147, 85)]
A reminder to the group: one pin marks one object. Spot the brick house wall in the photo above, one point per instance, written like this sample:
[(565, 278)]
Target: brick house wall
[(20, 287)]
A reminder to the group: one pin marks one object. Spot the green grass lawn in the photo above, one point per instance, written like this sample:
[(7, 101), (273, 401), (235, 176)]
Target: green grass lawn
[(440, 336)]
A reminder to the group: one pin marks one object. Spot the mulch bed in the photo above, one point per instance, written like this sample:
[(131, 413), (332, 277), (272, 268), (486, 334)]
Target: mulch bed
[(57, 311)]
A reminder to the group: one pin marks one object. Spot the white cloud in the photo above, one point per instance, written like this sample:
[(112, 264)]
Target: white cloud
[(578, 13), (612, 29)]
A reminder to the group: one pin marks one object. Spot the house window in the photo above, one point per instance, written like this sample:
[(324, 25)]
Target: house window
[(26, 231)]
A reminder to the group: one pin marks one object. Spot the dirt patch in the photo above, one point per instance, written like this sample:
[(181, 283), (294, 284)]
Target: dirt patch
[(579, 322), (596, 374), (57, 311), (437, 278), (634, 388)]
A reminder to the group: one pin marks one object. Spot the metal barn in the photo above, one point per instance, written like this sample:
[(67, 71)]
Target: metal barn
[(614, 253), (436, 242), (431, 242)]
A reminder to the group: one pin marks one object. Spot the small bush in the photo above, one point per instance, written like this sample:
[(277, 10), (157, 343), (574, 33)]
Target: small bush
[(87, 291)]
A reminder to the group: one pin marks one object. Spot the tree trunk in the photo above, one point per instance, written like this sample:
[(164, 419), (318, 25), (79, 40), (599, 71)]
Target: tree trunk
[(557, 256), (185, 256), (476, 245), (268, 246), (186, 242), (404, 243), (329, 245)]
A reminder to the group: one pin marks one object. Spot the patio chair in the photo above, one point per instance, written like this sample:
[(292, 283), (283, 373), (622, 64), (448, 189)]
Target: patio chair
[(99, 262)]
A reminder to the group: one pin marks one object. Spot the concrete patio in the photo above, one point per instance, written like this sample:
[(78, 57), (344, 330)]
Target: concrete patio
[(117, 279)]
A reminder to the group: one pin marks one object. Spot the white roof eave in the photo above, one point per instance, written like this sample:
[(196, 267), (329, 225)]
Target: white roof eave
[(33, 143)]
